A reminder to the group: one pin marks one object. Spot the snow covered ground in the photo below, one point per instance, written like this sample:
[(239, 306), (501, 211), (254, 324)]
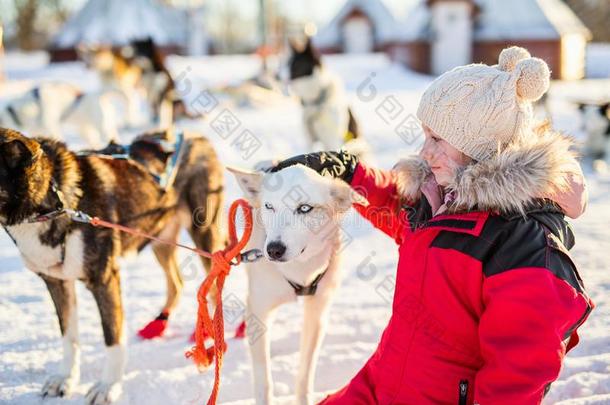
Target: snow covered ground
[(384, 97)]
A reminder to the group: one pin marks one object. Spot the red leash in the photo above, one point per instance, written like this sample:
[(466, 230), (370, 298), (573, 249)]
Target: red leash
[(221, 265), (95, 221)]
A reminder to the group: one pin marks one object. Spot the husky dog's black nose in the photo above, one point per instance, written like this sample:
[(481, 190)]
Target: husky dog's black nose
[(276, 250)]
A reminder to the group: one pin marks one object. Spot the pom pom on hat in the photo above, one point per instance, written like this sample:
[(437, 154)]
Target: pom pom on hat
[(480, 109), (534, 78), (509, 58)]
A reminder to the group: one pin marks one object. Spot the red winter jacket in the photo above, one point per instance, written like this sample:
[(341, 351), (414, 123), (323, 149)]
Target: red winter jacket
[(487, 299)]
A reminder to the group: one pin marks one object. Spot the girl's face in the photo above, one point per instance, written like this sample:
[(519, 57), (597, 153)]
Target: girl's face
[(443, 159)]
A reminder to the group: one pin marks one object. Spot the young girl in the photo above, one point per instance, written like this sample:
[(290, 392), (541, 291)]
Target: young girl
[(487, 299)]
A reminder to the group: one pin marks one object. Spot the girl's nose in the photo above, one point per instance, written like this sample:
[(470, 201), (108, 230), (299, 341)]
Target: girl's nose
[(427, 151)]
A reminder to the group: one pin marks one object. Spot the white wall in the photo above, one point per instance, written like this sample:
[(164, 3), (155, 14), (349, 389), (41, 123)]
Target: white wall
[(573, 56), (452, 35), (198, 42), (358, 36)]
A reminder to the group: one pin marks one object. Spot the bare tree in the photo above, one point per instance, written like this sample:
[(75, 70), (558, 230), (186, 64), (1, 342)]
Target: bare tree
[(59, 10), (1, 53), (229, 32), (26, 11)]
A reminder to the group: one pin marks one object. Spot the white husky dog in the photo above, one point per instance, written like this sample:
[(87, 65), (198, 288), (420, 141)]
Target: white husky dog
[(48, 107), (596, 123), (328, 119), (296, 216)]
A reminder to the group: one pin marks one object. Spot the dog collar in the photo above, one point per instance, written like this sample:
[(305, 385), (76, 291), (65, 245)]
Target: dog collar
[(13, 113), (301, 290), (60, 210)]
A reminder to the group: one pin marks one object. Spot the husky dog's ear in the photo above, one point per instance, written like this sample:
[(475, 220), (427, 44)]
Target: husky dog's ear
[(249, 182), (605, 110), (344, 196), (293, 48), (16, 154), (308, 46), (312, 52)]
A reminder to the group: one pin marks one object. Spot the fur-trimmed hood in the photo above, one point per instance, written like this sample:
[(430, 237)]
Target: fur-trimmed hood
[(541, 166)]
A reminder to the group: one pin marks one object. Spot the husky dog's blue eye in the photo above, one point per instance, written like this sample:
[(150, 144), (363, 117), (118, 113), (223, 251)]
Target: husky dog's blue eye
[(304, 208), (269, 206)]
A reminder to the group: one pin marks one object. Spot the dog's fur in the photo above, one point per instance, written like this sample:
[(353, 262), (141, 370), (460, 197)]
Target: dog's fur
[(118, 190), (138, 68), (309, 245), (114, 68), (158, 82), (118, 74), (596, 123), (49, 107), (326, 113)]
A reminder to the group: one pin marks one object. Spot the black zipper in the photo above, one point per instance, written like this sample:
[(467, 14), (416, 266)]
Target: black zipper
[(463, 392)]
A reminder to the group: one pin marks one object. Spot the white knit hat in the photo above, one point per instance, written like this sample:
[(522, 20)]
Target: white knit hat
[(479, 109)]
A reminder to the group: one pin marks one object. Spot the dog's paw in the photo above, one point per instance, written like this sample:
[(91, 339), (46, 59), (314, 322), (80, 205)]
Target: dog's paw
[(59, 386), (103, 394), (153, 330)]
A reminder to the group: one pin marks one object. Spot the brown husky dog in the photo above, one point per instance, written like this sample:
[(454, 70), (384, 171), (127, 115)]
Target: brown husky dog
[(40, 179)]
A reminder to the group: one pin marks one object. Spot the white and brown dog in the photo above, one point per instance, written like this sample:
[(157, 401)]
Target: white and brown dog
[(44, 191), (296, 226)]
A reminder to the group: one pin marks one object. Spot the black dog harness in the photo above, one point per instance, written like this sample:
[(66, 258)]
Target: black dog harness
[(10, 109), (13, 114), (166, 179), (310, 289)]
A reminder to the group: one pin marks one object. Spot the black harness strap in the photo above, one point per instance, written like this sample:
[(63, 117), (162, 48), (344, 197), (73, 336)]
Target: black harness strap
[(301, 290), (9, 235), (36, 93), (11, 111), (72, 107)]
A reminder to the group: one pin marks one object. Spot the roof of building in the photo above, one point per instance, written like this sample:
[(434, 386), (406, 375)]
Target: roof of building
[(495, 20), (117, 22), (387, 27), (526, 19)]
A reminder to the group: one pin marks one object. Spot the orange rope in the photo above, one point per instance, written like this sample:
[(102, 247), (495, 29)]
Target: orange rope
[(221, 265)]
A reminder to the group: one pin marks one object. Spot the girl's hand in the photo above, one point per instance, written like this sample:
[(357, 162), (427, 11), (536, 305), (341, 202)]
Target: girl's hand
[(340, 165), (573, 199)]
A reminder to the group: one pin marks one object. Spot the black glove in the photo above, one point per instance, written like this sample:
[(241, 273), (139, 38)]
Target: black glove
[(340, 165)]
